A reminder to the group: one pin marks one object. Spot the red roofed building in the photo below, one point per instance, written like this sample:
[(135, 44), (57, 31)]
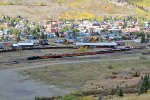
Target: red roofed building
[(51, 25)]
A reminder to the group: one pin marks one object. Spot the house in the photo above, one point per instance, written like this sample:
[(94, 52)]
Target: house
[(68, 41), (96, 25), (59, 41), (120, 43), (51, 25), (85, 39), (50, 35), (7, 32), (1, 46), (69, 34), (1, 33), (104, 26), (5, 45), (132, 29), (30, 37), (146, 24), (83, 34)]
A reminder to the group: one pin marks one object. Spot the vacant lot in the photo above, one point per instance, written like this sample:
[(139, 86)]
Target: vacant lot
[(76, 75)]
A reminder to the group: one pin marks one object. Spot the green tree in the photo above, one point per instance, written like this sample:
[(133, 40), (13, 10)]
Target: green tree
[(43, 36), (100, 98), (65, 28), (145, 85), (27, 29), (139, 34), (143, 39), (37, 28), (17, 19), (57, 33), (120, 92), (2, 27), (16, 32), (75, 31), (70, 97), (33, 32)]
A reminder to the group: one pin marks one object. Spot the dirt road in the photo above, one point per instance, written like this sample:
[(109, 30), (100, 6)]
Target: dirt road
[(80, 61), (14, 86)]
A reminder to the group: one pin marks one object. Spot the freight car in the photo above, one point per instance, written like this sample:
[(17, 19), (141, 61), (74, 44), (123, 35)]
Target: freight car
[(34, 58)]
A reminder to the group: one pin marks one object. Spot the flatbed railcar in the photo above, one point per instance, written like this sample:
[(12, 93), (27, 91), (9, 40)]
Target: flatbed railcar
[(76, 54)]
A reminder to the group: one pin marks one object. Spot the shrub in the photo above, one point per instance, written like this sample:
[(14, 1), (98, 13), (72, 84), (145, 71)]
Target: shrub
[(100, 98), (113, 91), (6, 3), (136, 74), (42, 98), (110, 67), (70, 97)]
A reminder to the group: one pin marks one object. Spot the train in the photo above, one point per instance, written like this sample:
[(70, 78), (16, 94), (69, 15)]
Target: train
[(76, 54)]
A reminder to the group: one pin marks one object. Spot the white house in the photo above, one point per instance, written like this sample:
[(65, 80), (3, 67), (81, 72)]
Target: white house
[(1, 33)]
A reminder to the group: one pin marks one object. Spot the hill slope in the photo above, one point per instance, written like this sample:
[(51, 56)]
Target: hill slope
[(41, 9), (144, 3)]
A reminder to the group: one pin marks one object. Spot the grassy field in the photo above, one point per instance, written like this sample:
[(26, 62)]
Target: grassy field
[(133, 97), (76, 75), (27, 53)]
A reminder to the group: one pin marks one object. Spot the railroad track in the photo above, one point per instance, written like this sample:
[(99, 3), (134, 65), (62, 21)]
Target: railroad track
[(76, 54), (33, 48)]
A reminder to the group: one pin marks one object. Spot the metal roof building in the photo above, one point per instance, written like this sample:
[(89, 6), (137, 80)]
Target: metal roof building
[(23, 44), (96, 44)]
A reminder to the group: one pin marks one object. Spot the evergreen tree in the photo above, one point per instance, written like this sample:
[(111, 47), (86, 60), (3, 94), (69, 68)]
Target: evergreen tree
[(145, 85), (143, 39), (42, 35), (57, 33), (100, 98), (120, 92)]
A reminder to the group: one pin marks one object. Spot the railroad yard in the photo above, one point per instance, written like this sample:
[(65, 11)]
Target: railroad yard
[(40, 69), (68, 70), (82, 58), (19, 57)]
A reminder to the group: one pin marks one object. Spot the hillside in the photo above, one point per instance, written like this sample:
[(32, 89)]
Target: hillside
[(144, 3), (42, 9)]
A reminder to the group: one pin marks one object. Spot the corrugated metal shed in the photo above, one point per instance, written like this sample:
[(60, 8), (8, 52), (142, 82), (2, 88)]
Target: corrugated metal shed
[(23, 44)]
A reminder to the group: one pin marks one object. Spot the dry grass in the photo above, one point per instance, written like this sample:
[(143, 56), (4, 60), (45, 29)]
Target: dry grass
[(34, 13), (42, 9), (144, 3), (134, 97), (76, 75), (27, 53)]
